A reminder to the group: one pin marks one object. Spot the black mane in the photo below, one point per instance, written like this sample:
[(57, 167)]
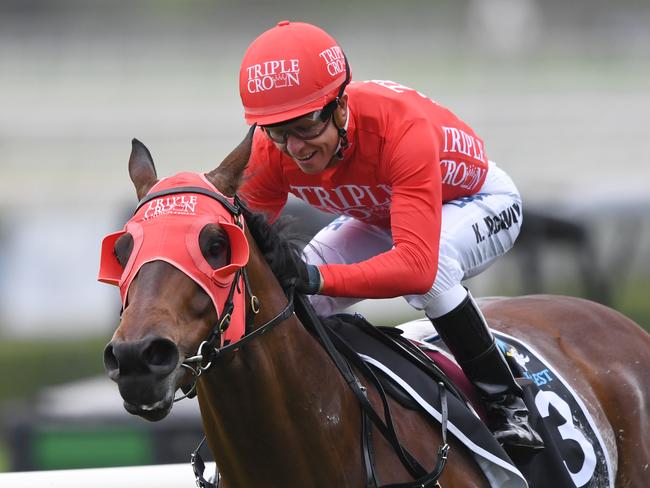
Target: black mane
[(280, 247)]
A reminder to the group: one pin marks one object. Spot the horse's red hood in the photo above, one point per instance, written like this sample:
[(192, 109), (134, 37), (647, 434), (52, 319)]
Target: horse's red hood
[(167, 229)]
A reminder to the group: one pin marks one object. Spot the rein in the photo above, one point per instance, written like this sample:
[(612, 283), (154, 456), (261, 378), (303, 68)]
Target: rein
[(210, 350)]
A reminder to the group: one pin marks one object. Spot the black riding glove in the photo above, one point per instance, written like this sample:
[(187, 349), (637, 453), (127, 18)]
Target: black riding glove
[(309, 281)]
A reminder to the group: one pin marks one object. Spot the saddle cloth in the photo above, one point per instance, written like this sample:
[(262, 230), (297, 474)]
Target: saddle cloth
[(463, 423), (575, 454)]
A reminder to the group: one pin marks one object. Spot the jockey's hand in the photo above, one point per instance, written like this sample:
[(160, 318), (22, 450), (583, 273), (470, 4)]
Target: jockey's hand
[(310, 281)]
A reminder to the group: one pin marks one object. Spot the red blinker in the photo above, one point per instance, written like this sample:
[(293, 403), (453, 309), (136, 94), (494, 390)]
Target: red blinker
[(167, 229)]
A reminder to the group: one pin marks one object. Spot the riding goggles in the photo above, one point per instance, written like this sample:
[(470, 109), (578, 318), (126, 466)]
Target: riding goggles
[(318, 122)]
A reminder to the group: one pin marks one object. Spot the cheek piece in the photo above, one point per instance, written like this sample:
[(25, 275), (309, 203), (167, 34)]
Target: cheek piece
[(166, 227)]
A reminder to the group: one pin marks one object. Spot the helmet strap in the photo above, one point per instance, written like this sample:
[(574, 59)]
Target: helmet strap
[(343, 135), (330, 111)]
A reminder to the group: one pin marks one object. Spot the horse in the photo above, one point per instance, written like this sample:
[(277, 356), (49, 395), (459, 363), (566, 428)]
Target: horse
[(277, 410)]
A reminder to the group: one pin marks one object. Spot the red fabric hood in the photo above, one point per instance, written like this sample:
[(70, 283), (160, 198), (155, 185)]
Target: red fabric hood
[(167, 229)]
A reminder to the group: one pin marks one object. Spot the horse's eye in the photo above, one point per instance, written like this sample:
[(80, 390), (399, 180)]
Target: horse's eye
[(215, 246), (123, 249), (218, 246)]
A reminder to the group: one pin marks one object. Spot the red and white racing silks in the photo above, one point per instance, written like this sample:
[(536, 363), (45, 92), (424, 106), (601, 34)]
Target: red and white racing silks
[(407, 155)]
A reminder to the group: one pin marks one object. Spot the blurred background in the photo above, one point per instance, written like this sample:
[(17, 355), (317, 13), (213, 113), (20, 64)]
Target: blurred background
[(558, 90)]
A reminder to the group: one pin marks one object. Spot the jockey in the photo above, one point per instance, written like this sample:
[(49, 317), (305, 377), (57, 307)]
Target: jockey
[(420, 206)]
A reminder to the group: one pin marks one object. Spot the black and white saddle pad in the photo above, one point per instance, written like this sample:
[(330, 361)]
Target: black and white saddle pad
[(463, 424), (575, 453)]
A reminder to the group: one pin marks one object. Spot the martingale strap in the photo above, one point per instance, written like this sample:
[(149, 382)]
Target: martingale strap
[(368, 455), (423, 479)]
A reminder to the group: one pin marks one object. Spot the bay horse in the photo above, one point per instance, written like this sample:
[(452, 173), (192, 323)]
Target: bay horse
[(276, 409)]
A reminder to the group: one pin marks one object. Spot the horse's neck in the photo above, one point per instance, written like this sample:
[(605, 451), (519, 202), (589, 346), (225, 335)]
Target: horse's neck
[(278, 401)]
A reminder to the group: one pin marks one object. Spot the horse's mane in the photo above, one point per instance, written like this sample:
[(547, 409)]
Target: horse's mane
[(280, 247)]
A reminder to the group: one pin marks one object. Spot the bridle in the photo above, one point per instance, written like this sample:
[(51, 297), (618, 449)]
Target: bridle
[(202, 361), (211, 349)]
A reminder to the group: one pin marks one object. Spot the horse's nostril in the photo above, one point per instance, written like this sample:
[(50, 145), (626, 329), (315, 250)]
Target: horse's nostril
[(111, 363), (161, 355), (151, 355)]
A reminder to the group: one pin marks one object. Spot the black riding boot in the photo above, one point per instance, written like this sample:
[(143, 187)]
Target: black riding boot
[(467, 336)]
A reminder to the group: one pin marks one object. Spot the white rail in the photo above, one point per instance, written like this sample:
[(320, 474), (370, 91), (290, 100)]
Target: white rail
[(157, 476)]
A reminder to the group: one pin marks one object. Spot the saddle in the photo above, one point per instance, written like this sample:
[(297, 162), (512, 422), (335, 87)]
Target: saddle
[(409, 371), (389, 343), (411, 378)]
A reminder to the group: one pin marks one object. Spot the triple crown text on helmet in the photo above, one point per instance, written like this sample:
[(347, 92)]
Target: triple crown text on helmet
[(282, 73), (279, 73), (335, 60), (302, 61)]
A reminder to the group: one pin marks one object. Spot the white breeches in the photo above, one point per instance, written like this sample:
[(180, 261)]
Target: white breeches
[(475, 231)]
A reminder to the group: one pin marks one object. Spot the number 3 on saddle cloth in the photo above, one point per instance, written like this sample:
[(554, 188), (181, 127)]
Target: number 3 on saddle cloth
[(574, 446), (575, 454)]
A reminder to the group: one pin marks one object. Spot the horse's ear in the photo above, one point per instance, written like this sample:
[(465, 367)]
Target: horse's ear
[(227, 176), (141, 168)]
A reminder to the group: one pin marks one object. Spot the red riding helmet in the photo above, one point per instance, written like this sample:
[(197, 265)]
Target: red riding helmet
[(291, 70)]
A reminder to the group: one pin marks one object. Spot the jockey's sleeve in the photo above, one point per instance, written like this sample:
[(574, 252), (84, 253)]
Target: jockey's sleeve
[(410, 267), (263, 187)]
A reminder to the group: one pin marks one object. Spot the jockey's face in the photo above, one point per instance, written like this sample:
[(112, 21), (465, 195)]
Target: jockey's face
[(312, 144)]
